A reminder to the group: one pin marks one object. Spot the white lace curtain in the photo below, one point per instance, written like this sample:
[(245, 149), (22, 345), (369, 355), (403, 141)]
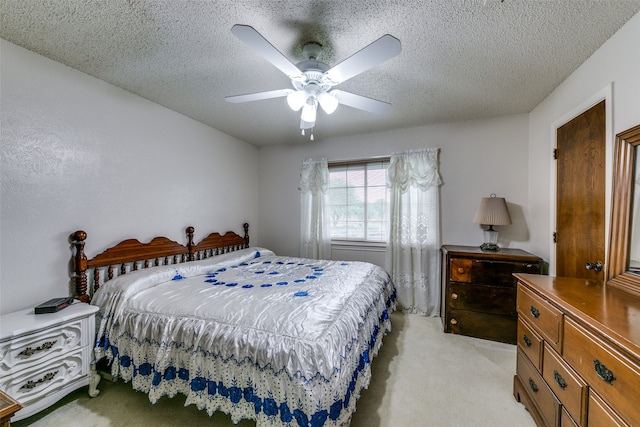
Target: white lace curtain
[(315, 239), (413, 248)]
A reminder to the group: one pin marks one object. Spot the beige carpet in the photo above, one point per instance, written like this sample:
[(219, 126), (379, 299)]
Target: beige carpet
[(422, 377)]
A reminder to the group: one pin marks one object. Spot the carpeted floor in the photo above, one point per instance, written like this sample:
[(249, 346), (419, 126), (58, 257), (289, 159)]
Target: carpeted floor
[(422, 377)]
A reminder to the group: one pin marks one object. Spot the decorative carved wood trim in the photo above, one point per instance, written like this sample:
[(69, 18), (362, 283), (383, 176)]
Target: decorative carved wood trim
[(621, 206), (131, 252), (230, 240)]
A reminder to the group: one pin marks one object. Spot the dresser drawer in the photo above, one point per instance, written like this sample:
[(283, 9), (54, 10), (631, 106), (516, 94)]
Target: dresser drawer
[(565, 383), (566, 420), (38, 381), (547, 404), (600, 414), (530, 343), (542, 316), (38, 347), (488, 299), (489, 272), (608, 372)]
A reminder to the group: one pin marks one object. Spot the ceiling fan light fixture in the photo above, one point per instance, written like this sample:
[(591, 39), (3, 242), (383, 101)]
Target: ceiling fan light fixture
[(296, 100), (313, 80), (328, 102), (309, 111)]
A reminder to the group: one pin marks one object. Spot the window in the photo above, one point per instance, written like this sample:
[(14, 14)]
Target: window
[(359, 200)]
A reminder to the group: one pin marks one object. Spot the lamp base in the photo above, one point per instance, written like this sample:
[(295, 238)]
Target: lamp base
[(490, 240), (489, 247)]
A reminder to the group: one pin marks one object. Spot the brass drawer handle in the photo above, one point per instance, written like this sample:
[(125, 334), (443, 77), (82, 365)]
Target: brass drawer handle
[(535, 312), (559, 380), (533, 385), (28, 352), (460, 270), (526, 340), (602, 371), (453, 321), (454, 295), (29, 385)]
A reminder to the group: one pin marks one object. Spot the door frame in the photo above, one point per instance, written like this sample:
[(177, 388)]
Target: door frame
[(606, 94)]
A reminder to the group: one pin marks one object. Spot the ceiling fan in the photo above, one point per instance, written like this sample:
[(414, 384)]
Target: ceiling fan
[(313, 81)]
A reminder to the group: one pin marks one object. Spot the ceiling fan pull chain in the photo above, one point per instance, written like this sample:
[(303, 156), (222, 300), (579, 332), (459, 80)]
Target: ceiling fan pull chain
[(302, 132)]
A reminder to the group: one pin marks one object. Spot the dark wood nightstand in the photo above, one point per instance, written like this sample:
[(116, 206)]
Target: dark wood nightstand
[(479, 290)]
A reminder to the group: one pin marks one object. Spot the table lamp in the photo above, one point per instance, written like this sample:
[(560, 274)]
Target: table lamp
[(492, 211)]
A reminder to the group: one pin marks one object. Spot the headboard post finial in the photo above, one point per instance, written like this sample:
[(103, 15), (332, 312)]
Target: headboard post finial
[(80, 266), (246, 234), (190, 245)]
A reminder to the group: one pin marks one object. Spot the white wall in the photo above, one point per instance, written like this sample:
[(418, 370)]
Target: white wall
[(615, 65), (477, 158), (78, 153)]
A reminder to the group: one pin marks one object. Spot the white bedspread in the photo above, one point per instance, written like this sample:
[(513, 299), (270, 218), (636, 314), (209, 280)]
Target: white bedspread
[(284, 341)]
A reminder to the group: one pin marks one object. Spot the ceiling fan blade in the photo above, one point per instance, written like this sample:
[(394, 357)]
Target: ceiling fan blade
[(361, 102), (255, 41), (381, 50), (258, 96)]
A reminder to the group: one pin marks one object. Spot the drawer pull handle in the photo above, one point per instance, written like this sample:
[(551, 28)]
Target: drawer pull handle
[(533, 385), (526, 340), (30, 385), (454, 295), (535, 312), (602, 371), (453, 321), (597, 266), (559, 380), (460, 270), (28, 352)]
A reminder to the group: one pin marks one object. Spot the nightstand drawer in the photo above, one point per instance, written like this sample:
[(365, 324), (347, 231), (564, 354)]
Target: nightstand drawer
[(542, 316), (488, 299), (38, 347), (489, 272), (565, 383), (482, 325), (530, 343), (610, 374), (38, 381)]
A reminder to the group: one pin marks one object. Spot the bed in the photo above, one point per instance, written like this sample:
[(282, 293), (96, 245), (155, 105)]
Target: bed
[(235, 328)]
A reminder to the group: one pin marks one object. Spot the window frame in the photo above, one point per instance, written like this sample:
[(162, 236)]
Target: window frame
[(360, 243)]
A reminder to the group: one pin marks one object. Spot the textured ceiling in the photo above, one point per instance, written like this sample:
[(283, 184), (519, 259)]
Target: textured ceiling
[(460, 60)]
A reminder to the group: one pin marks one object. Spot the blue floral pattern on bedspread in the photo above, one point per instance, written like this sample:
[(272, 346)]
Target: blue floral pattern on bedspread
[(303, 362)]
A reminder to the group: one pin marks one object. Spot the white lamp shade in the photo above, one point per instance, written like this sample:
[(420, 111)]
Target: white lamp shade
[(492, 211), (296, 99), (328, 102)]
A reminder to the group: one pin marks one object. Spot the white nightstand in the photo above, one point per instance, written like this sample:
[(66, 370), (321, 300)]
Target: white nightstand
[(43, 357)]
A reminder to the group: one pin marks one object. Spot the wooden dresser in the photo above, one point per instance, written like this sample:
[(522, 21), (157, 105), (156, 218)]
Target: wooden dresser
[(479, 290), (578, 353)]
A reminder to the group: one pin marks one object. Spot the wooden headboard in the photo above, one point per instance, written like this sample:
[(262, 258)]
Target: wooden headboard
[(130, 255)]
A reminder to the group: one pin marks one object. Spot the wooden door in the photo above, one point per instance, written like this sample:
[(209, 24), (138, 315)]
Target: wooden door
[(580, 214)]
